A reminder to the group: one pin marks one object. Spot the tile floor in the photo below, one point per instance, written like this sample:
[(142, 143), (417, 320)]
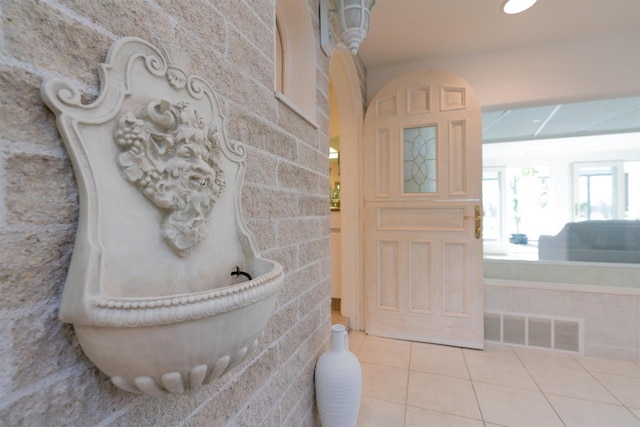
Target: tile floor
[(416, 384)]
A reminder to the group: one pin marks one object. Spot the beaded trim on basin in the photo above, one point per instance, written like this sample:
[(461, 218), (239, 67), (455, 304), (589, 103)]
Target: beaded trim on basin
[(131, 312)]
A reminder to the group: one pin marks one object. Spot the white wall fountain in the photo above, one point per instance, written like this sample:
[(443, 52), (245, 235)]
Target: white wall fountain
[(166, 290)]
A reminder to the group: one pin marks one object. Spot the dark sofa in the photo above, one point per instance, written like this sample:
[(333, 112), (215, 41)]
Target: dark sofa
[(594, 241)]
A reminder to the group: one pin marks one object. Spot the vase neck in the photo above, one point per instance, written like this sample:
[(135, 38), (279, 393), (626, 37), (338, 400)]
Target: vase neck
[(340, 338)]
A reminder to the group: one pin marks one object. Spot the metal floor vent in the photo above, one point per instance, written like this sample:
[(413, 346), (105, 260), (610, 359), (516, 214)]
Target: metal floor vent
[(534, 330)]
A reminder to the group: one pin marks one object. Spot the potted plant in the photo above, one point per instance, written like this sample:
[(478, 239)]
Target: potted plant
[(517, 238)]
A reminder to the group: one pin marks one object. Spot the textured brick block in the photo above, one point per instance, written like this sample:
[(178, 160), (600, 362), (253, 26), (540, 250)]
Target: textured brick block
[(40, 35), (274, 419), (313, 299), (257, 133), (265, 233), (24, 117), (322, 100), (42, 346), (206, 58), (40, 190), (148, 411), (281, 321), (314, 205), (260, 30), (315, 250), (78, 399), (201, 19), (298, 230), (255, 411), (297, 178), (322, 143), (262, 168), (315, 160), (298, 282), (34, 266), (251, 61), (259, 202), (288, 257), (6, 362), (296, 125), (244, 91), (322, 80), (128, 18), (293, 339), (300, 395), (222, 409)]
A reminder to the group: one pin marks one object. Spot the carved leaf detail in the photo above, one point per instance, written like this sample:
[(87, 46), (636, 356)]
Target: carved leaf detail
[(173, 158), (134, 165)]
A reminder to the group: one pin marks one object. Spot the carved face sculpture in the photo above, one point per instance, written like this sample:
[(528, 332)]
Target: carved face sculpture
[(173, 158)]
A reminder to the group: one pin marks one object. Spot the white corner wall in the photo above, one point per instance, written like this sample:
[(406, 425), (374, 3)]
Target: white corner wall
[(603, 65)]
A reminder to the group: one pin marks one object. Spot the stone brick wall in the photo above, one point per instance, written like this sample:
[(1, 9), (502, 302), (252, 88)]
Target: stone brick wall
[(45, 379)]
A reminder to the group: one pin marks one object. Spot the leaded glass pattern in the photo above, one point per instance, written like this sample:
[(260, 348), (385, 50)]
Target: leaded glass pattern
[(419, 159)]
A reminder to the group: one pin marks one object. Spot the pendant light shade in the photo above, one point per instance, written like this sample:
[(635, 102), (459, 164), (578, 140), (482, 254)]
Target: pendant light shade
[(353, 21), (511, 7)]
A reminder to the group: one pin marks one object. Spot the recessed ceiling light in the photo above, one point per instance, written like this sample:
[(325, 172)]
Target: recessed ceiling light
[(511, 7)]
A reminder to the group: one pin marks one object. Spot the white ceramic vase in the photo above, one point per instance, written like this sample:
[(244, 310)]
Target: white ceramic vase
[(338, 383)]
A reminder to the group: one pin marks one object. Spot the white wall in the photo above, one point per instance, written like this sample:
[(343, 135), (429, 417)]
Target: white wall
[(604, 65), (610, 316)]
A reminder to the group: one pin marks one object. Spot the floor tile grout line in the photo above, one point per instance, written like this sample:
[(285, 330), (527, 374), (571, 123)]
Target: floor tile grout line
[(473, 387), (524, 365), (598, 371), (521, 359), (439, 411), (588, 400), (577, 360), (540, 388), (406, 391), (601, 384)]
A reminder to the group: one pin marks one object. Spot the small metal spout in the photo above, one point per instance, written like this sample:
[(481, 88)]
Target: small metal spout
[(237, 272)]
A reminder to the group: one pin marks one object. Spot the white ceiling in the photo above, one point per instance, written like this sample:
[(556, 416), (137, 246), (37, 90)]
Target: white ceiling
[(621, 115), (407, 30), (404, 31)]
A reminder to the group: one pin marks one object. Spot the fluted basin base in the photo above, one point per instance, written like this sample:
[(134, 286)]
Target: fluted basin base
[(176, 358)]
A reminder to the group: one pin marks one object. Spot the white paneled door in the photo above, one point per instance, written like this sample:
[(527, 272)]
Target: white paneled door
[(423, 211)]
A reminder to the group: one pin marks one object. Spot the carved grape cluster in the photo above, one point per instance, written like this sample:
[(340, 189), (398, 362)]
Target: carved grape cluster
[(131, 132), (173, 157)]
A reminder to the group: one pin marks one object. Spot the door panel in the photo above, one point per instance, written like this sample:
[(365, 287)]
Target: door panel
[(423, 261), (388, 284), (420, 281)]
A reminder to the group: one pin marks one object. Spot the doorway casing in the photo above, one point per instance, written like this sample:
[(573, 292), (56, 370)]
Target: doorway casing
[(350, 100)]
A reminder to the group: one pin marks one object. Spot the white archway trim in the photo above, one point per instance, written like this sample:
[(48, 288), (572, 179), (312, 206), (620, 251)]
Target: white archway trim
[(299, 51), (344, 78)]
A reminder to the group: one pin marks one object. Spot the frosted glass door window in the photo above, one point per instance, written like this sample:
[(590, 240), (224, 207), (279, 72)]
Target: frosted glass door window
[(420, 159)]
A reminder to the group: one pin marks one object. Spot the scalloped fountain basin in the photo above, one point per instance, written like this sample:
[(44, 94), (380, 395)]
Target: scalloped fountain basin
[(178, 326), (151, 291)]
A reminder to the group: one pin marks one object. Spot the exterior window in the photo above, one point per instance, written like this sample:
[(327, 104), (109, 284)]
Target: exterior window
[(598, 191), (560, 207)]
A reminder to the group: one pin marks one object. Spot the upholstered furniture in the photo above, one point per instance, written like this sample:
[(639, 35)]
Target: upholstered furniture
[(597, 241)]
